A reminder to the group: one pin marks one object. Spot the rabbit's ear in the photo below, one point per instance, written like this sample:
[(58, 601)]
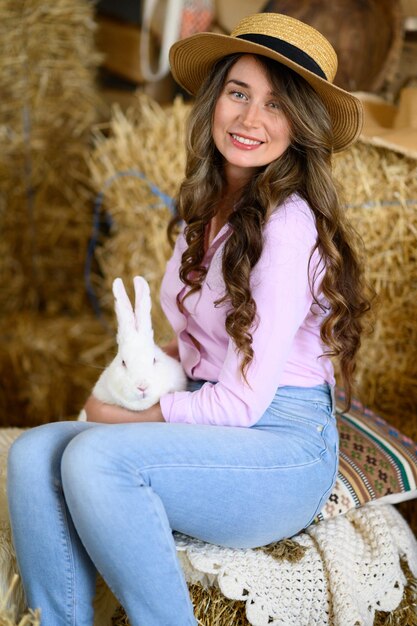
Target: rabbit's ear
[(123, 307), (143, 306)]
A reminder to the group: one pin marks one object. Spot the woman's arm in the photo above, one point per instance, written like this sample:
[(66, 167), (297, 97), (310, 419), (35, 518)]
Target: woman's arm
[(280, 286), (104, 413)]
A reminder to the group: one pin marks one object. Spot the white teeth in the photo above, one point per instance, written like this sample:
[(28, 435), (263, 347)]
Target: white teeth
[(247, 142)]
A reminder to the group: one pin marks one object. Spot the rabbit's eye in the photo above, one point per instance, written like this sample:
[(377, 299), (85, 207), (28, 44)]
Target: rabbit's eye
[(154, 361), (124, 363)]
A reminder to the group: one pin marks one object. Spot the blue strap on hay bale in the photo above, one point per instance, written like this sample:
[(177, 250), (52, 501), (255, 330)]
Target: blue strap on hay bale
[(93, 241)]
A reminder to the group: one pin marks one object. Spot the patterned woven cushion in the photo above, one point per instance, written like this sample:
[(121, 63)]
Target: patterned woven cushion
[(377, 462)]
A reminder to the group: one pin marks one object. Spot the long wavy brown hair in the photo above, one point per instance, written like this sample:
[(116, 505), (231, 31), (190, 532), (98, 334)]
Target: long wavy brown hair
[(305, 168)]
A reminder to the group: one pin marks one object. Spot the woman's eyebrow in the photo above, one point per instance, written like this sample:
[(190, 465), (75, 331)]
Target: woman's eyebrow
[(238, 82)]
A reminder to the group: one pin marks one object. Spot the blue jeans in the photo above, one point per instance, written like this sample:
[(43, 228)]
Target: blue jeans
[(87, 497)]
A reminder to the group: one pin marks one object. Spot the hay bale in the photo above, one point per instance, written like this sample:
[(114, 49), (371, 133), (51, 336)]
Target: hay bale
[(42, 260), (48, 366), (47, 69), (380, 190), (137, 165), (48, 104), (211, 608)]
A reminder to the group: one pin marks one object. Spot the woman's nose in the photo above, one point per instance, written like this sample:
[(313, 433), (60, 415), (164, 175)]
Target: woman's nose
[(251, 116)]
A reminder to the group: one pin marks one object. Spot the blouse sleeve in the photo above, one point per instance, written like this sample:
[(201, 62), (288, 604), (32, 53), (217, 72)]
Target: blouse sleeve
[(280, 287)]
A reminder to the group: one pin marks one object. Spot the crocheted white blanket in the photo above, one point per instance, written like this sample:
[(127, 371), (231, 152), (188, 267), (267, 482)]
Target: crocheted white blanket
[(350, 569)]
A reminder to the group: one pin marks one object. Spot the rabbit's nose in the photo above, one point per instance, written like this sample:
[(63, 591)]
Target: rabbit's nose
[(142, 388)]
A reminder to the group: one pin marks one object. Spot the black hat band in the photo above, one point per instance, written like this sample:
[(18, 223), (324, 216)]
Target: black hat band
[(286, 49)]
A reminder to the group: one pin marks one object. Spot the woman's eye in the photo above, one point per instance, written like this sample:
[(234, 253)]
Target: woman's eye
[(238, 95), (275, 105)]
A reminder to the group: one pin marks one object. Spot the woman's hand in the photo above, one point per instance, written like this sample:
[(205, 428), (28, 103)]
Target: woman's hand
[(104, 413)]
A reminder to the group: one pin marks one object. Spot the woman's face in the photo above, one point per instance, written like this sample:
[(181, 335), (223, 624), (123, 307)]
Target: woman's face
[(250, 129)]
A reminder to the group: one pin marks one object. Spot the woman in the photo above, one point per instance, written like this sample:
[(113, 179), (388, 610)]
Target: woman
[(264, 286)]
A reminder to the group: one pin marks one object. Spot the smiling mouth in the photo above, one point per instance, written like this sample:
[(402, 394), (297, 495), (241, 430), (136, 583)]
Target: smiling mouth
[(244, 141)]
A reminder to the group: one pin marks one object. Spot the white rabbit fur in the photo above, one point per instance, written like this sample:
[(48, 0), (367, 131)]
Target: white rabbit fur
[(141, 372)]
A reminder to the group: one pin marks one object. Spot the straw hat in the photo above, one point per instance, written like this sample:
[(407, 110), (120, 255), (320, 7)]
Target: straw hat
[(281, 38)]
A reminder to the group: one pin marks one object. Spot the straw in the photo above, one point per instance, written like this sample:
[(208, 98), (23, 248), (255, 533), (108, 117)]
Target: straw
[(48, 365), (48, 104), (380, 190), (137, 164), (9, 613)]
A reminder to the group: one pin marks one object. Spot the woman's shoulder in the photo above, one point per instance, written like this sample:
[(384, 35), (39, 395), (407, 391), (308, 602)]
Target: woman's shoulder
[(294, 214)]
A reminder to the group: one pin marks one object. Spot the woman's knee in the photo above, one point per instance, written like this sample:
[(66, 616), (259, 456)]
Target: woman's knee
[(38, 451), (96, 458), (29, 449), (82, 458)]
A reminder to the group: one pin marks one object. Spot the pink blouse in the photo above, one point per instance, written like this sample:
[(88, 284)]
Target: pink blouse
[(286, 341)]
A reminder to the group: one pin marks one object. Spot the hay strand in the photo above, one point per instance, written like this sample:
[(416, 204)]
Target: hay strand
[(8, 611), (287, 549), (406, 612)]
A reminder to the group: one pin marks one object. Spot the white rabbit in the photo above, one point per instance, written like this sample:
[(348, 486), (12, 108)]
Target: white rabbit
[(141, 372)]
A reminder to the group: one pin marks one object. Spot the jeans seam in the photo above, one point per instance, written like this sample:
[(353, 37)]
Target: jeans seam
[(323, 431), (305, 421), (326, 491), (69, 567), (291, 419), (172, 551), (229, 467)]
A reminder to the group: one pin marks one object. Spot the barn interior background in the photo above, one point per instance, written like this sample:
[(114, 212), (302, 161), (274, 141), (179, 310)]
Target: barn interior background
[(91, 125)]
